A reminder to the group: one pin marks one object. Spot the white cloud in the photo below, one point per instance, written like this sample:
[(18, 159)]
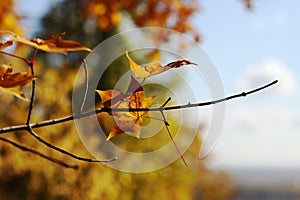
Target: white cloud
[(269, 70), (264, 136)]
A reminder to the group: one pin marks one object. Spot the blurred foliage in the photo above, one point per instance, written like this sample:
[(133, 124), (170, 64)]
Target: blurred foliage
[(175, 14), (25, 176), (9, 20)]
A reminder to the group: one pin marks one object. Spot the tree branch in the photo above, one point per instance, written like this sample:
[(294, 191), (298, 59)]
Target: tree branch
[(108, 110)]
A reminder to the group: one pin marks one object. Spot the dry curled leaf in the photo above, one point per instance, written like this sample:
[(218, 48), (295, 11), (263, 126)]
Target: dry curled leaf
[(11, 83), (5, 44), (52, 44), (154, 68), (134, 97)]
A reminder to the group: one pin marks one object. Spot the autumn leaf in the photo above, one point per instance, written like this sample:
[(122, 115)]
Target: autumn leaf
[(154, 68), (134, 97), (11, 83), (52, 44)]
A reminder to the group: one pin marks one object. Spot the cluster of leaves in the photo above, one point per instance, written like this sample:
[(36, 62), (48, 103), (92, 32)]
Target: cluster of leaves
[(10, 82), (134, 97)]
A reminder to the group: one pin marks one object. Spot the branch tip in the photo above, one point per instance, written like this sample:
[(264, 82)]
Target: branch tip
[(167, 101)]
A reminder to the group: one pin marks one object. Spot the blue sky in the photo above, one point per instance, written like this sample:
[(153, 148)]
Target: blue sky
[(249, 48)]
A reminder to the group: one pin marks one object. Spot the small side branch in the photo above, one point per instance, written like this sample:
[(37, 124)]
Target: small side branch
[(15, 56), (31, 65), (86, 85), (54, 160), (64, 151), (168, 130)]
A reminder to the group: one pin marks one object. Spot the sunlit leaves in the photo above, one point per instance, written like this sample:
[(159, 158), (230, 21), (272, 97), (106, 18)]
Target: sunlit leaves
[(134, 97), (130, 120), (11, 83), (107, 13), (154, 68), (174, 14)]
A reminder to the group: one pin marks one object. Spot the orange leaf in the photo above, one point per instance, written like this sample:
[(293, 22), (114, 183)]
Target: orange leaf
[(52, 44), (109, 97), (154, 68), (131, 121), (11, 83), (134, 97)]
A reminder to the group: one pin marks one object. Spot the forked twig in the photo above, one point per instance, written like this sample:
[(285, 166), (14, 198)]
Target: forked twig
[(29, 128)]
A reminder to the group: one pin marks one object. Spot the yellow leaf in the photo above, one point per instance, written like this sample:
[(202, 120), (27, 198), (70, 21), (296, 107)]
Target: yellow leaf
[(154, 68), (52, 44), (138, 71)]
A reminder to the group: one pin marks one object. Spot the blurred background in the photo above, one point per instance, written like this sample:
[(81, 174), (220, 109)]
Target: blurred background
[(251, 43)]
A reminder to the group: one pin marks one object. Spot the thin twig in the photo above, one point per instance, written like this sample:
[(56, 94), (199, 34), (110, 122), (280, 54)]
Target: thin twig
[(24, 148), (86, 85), (168, 130), (177, 149), (166, 102), (64, 151), (15, 56), (109, 110), (31, 65)]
